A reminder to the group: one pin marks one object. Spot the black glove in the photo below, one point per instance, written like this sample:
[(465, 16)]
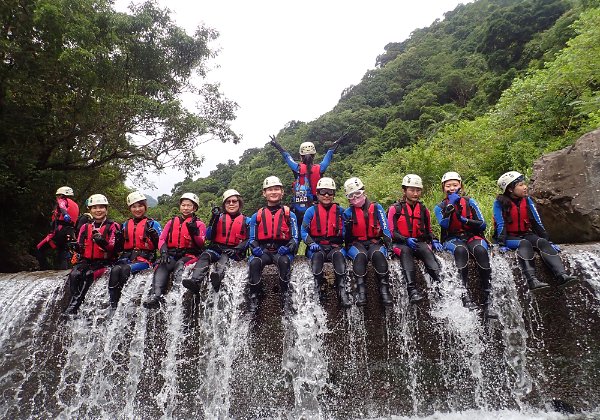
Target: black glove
[(164, 258), (152, 234), (292, 246), (99, 240), (275, 144), (193, 227), (339, 141), (73, 246), (230, 252)]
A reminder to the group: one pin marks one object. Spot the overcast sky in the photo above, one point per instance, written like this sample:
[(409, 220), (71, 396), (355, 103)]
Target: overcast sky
[(290, 60)]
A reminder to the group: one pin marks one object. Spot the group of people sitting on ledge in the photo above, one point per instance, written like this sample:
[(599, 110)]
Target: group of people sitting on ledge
[(354, 236)]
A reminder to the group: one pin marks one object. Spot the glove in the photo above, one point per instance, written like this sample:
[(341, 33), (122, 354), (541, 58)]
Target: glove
[(257, 251), (67, 218), (283, 250), (152, 233), (99, 239), (556, 247), (503, 249), (73, 246), (412, 243), (164, 258), (314, 247), (437, 245), (454, 198), (339, 141), (230, 252), (215, 211), (463, 219), (193, 228), (397, 251), (275, 144)]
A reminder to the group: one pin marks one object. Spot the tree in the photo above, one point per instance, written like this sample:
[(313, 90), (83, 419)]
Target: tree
[(85, 90)]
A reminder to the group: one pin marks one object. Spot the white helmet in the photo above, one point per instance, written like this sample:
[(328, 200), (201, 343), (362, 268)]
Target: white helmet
[(307, 148), (97, 200), (508, 178), (412, 180), (65, 191), (229, 193), (353, 185), (451, 175), (135, 197), (192, 197), (326, 183), (271, 181)]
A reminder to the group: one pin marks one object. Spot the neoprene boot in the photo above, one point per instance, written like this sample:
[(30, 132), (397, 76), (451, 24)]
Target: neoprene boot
[(193, 285), (565, 279), (319, 286), (253, 297), (488, 312), (529, 273), (114, 294), (413, 295), (216, 278), (435, 275), (384, 290), (78, 297), (153, 301), (466, 299), (361, 291), (343, 298)]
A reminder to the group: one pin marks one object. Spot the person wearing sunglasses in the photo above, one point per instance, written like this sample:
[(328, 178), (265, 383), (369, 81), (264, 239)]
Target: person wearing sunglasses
[(410, 222), (306, 173), (323, 232), (463, 228), (367, 238), (227, 231), (273, 240)]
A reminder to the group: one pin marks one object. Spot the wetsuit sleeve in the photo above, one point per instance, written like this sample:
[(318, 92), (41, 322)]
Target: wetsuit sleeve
[(291, 162), (500, 225), (536, 220), (326, 161), (294, 226), (162, 241), (444, 222), (305, 228), (252, 229), (200, 238), (384, 224), (396, 236), (244, 244), (478, 222)]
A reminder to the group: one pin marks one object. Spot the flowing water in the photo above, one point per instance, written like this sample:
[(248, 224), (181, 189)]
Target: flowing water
[(204, 356)]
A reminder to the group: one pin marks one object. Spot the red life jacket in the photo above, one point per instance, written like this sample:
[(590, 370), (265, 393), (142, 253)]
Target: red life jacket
[(91, 250), (456, 226), (365, 226), (326, 224), (72, 210), (179, 237), (136, 237), (411, 222), (231, 231), (315, 175), (519, 218), (273, 227)]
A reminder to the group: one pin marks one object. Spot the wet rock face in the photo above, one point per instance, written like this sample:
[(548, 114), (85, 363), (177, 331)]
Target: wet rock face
[(566, 187)]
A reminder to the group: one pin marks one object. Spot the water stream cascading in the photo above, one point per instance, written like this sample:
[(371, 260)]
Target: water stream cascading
[(203, 356)]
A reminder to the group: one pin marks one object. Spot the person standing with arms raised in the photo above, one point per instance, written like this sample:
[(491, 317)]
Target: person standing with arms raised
[(306, 173)]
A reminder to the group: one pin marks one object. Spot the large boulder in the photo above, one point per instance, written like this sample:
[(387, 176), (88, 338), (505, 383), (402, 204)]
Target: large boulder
[(566, 186)]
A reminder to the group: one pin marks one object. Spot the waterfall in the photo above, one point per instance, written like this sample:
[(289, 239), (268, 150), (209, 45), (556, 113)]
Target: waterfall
[(205, 356)]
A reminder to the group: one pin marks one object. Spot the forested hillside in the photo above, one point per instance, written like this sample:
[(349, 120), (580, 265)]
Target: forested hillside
[(491, 87)]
